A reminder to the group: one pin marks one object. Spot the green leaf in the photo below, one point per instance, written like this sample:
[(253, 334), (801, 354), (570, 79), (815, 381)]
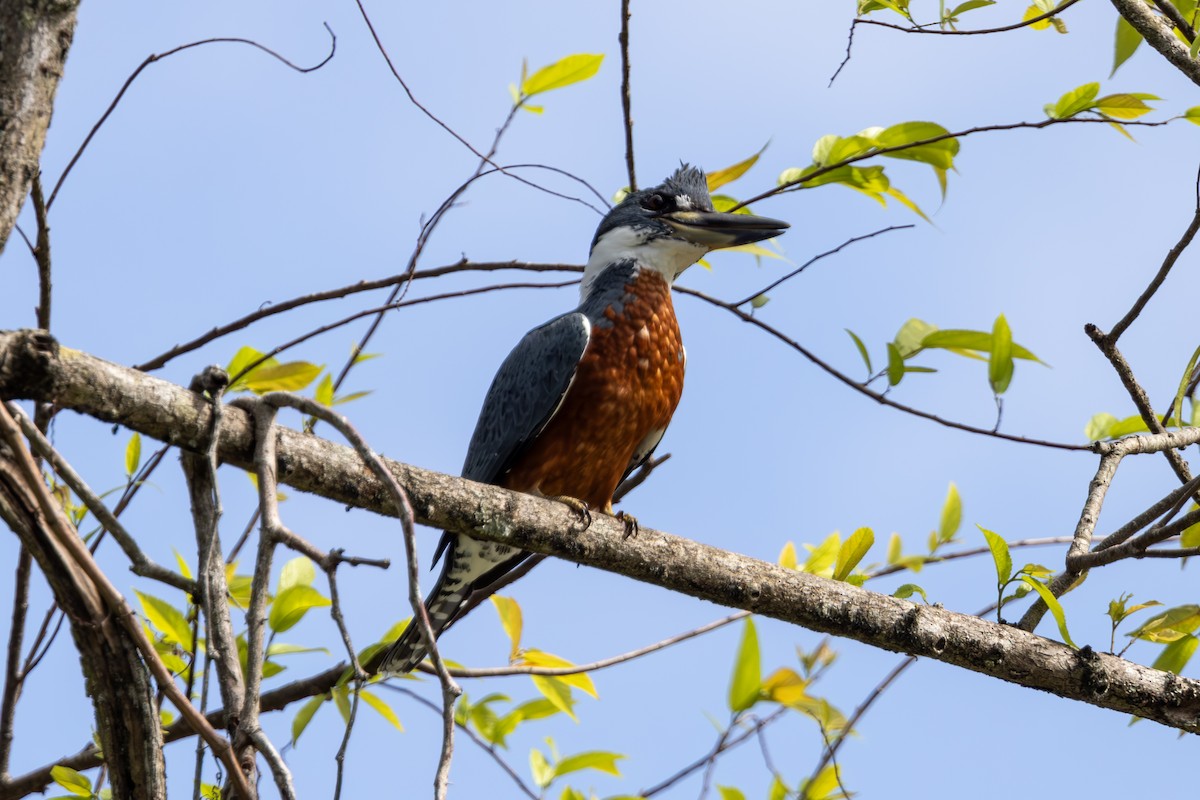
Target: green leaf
[(970, 5), (747, 671), (786, 687), (133, 454), (911, 337), (1000, 555), (1126, 105), (787, 557), (168, 620), (1192, 115), (939, 154), (558, 692), (821, 558), (758, 301), (954, 339), (298, 571), (289, 377), (596, 759), (1079, 99), (730, 174), (385, 711), (1176, 655), (779, 789), (543, 773), (730, 793), (823, 787), (564, 72), (1128, 39), (907, 590), (862, 350), (894, 550), (292, 604), (951, 515), (305, 715), (74, 782), (540, 658), (1000, 364), (341, 701), (324, 392), (1171, 625), (895, 367), (852, 551), (510, 620), (1055, 607)]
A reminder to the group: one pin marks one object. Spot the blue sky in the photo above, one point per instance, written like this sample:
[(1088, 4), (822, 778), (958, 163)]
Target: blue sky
[(225, 181)]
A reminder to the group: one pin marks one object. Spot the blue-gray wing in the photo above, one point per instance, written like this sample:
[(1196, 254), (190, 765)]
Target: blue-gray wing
[(526, 392)]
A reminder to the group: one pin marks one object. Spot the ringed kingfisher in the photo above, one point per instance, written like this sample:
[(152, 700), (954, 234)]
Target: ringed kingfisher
[(584, 399)]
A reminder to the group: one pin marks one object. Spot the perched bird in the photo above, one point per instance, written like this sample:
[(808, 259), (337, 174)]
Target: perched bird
[(585, 398)]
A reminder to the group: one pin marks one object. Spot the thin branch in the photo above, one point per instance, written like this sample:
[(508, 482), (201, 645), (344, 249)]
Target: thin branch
[(14, 678), (626, 115), (270, 310), (474, 737), (831, 747), (140, 563), (1168, 262), (817, 258), (726, 743), (490, 672), (861, 389), (41, 252), (155, 57), (378, 310), (978, 32)]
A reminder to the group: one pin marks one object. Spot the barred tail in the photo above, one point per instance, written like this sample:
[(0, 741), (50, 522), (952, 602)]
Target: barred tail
[(408, 651)]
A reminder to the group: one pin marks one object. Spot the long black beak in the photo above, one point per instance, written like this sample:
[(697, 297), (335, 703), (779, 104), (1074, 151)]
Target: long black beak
[(717, 229)]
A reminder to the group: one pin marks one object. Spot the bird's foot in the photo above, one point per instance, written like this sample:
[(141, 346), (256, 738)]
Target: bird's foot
[(581, 508), (630, 522)]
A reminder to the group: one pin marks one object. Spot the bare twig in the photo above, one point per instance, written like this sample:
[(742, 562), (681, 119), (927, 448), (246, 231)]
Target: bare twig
[(626, 115), (474, 737), (489, 672), (14, 678), (725, 742), (155, 57), (860, 388), (344, 291), (817, 258), (1168, 262), (140, 563), (1025, 23), (41, 252)]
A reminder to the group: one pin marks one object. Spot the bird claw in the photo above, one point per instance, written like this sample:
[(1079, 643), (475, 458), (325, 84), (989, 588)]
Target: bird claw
[(630, 522), (580, 508)]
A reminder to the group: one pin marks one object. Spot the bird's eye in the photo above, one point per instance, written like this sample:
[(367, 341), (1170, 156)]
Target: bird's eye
[(654, 202)]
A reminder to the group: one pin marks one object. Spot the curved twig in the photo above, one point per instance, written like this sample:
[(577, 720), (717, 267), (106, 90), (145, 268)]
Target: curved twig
[(154, 57)]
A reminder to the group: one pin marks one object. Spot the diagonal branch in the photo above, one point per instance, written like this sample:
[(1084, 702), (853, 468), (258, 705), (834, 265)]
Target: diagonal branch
[(33, 367)]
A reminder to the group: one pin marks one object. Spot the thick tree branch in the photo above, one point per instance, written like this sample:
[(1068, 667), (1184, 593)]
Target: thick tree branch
[(34, 38), (1159, 34), (32, 366)]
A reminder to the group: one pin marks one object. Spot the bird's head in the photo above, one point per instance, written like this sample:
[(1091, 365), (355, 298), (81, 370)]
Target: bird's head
[(669, 227)]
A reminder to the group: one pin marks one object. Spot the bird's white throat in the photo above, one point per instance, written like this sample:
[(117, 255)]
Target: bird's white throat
[(665, 255)]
